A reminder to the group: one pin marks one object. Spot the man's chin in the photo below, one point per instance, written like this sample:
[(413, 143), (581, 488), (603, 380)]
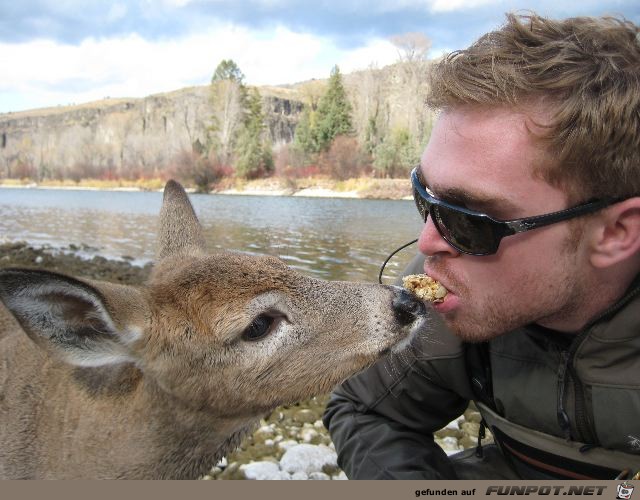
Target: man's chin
[(471, 332)]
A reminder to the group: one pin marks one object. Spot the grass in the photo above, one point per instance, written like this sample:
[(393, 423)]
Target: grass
[(142, 184), (364, 187)]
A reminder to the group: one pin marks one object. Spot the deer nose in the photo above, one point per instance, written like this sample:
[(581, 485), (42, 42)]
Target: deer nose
[(407, 307)]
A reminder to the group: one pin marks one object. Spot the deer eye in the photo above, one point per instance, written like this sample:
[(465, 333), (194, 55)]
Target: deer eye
[(259, 328)]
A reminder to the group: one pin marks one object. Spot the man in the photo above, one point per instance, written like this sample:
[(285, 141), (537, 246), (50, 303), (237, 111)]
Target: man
[(541, 325)]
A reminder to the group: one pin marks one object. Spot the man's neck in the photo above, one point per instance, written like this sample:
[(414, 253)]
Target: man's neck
[(596, 300)]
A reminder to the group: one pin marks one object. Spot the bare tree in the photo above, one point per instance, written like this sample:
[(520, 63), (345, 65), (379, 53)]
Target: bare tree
[(312, 91), (228, 96), (368, 104), (228, 104), (412, 47)]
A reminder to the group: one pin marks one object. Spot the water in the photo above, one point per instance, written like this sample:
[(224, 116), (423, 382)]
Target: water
[(330, 238)]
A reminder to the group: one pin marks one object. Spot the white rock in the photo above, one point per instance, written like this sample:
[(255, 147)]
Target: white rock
[(299, 476), (454, 424), (308, 458), (287, 443), (319, 476), (39, 259), (307, 435), (450, 445), (222, 463), (263, 471), (264, 432), (341, 477)]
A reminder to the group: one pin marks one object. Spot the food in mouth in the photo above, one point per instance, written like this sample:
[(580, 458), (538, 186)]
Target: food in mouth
[(425, 287)]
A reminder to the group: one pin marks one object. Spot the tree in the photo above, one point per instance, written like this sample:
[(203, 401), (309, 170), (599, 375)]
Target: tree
[(195, 167), (397, 154), (333, 114), (253, 149), (228, 95), (368, 104), (227, 69), (412, 47), (304, 138), (344, 159)]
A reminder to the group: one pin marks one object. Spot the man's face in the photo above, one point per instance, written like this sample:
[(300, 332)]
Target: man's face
[(485, 160)]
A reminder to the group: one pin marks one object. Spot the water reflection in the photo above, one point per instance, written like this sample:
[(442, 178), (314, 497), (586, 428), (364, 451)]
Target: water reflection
[(341, 239)]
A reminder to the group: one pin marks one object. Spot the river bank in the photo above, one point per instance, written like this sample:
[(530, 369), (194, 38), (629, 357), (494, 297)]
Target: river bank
[(366, 188), (291, 442)]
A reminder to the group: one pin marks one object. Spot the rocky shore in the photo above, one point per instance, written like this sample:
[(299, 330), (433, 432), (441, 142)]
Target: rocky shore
[(291, 443), (320, 187)]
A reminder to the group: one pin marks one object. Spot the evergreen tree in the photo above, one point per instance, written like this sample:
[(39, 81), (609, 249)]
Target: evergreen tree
[(333, 116), (371, 135), (304, 138), (253, 149), (227, 69)]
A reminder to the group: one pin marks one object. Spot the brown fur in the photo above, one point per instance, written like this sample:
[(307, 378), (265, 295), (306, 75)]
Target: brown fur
[(100, 380)]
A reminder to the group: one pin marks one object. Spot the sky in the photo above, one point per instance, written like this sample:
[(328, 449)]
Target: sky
[(60, 52)]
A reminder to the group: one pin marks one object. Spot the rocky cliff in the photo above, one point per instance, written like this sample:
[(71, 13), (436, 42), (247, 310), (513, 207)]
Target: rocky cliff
[(139, 137), (124, 137)]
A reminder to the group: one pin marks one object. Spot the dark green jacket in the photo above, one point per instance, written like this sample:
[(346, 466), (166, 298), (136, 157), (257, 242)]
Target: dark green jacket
[(584, 389)]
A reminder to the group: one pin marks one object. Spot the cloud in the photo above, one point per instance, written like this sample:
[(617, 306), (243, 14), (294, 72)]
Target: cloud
[(453, 5), (349, 22), (131, 66), (61, 51)]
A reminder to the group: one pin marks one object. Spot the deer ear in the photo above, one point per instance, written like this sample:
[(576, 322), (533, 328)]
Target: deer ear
[(74, 319), (180, 230)]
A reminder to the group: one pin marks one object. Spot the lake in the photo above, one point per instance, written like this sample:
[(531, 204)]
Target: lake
[(330, 238)]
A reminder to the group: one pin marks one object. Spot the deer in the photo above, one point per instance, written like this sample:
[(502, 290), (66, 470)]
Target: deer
[(160, 381)]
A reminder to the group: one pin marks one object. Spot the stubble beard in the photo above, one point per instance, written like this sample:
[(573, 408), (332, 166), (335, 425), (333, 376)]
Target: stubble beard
[(546, 302)]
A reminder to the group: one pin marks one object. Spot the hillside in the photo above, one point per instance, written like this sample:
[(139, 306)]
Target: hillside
[(140, 137)]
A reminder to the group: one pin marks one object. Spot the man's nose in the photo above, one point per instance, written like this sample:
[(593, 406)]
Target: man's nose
[(431, 241)]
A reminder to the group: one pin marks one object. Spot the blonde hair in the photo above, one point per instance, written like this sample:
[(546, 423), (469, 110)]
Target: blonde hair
[(585, 70)]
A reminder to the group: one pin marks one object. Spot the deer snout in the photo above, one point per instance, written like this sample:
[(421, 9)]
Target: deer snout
[(407, 307)]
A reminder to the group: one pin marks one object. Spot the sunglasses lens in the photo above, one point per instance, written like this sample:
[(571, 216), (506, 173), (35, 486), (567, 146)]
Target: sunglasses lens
[(421, 204), (468, 233)]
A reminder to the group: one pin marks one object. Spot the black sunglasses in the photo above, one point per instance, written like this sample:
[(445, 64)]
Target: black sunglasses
[(475, 233)]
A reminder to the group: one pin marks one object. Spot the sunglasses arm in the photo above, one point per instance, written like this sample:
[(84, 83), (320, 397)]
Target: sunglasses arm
[(529, 223)]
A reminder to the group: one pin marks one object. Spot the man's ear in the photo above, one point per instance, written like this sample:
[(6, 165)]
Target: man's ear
[(86, 324), (617, 237)]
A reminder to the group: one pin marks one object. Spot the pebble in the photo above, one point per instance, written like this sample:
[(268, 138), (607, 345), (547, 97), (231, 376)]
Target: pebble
[(304, 416), (450, 445), (263, 471), (319, 476), (286, 444), (307, 458), (308, 435)]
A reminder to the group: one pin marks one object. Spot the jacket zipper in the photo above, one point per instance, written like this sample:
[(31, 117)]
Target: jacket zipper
[(583, 426), (563, 418), (566, 376)]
